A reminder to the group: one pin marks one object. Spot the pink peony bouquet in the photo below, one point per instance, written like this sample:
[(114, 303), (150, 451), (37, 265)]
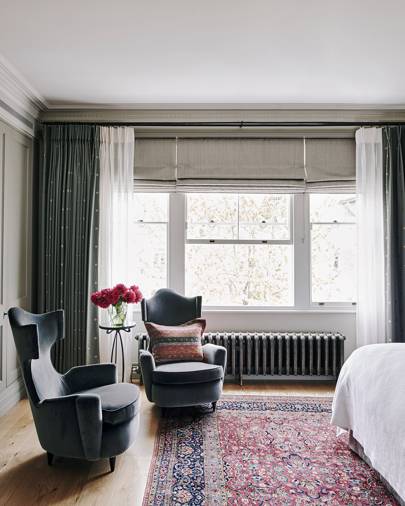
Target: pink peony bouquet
[(115, 296)]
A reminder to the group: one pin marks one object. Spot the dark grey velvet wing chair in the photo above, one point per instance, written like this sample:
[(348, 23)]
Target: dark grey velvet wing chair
[(82, 414), (180, 383)]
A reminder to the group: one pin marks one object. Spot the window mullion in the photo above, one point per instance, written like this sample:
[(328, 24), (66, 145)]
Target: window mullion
[(239, 241), (176, 242), (302, 274), (238, 219)]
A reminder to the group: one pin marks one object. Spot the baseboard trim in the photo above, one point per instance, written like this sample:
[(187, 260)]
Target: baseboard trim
[(11, 395)]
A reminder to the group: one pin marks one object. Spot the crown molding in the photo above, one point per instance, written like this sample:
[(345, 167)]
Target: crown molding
[(20, 103), (254, 106), (22, 106)]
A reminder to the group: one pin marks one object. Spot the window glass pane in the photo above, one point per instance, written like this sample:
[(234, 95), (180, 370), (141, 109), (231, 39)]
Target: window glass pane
[(339, 208), (212, 216), (333, 247), (148, 243), (149, 257), (264, 217), (151, 207), (333, 258), (240, 274)]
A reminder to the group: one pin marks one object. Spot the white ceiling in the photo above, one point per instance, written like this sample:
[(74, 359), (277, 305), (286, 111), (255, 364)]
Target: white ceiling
[(208, 51)]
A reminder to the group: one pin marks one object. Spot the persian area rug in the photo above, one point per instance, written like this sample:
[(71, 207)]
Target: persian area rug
[(277, 451)]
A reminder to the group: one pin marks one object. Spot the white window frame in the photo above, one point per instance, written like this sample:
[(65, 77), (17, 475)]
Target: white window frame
[(167, 223), (325, 304), (289, 241), (244, 241), (300, 239)]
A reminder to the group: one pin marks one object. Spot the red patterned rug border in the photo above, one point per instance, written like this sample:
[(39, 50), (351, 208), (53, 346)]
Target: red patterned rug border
[(152, 464), (262, 397)]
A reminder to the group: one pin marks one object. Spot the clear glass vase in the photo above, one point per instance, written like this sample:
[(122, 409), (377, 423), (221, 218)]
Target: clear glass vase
[(118, 313)]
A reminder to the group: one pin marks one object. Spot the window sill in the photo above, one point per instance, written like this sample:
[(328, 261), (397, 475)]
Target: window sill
[(324, 310), (237, 310)]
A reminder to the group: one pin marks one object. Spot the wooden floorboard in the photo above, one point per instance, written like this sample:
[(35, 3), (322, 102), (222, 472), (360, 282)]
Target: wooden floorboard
[(27, 480)]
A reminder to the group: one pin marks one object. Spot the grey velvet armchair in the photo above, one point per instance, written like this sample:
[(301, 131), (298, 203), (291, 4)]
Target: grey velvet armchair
[(180, 383), (82, 414)]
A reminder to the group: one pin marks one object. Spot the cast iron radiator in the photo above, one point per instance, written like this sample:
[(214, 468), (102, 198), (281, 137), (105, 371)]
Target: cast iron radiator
[(277, 355)]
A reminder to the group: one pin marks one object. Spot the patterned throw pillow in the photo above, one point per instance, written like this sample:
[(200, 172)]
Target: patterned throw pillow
[(176, 343)]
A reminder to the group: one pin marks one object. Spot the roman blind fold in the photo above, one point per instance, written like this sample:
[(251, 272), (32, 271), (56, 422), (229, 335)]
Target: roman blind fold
[(240, 162), (330, 162), (155, 160)]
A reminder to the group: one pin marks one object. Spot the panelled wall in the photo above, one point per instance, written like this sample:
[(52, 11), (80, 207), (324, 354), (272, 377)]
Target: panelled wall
[(15, 250)]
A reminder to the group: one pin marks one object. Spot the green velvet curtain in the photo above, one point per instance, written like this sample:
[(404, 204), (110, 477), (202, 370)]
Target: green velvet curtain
[(394, 172), (68, 237)]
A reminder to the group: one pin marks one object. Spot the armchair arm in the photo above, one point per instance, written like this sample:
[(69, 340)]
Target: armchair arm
[(84, 377), (71, 425), (214, 354), (147, 363)]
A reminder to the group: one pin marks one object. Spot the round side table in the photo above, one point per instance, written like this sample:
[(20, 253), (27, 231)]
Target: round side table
[(126, 327)]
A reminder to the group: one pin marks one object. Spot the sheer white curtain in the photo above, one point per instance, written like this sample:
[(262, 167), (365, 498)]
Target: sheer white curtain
[(371, 318), (116, 194)]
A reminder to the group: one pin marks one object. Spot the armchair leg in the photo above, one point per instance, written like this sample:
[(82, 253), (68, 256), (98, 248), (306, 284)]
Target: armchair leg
[(214, 406), (112, 463), (50, 458)]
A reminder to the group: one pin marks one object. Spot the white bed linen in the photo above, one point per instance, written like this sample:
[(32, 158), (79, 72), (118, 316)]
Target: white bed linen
[(370, 401)]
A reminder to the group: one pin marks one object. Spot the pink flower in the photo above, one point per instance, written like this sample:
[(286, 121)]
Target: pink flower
[(103, 302), (129, 296), (138, 295), (94, 297), (115, 296), (121, 288), (101, 299), (107, 296), (137, 292)]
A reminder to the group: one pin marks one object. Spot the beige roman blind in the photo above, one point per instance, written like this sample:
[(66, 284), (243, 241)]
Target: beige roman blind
[(237, 163), (244, 164), (155, 160), (330, 163)]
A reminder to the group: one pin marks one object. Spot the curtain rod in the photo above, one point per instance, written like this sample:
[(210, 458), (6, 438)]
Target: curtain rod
[(235, 124)]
